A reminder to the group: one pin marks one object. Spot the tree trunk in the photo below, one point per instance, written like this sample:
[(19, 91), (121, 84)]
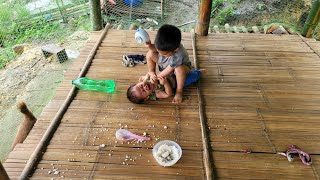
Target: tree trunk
[(96, 18)]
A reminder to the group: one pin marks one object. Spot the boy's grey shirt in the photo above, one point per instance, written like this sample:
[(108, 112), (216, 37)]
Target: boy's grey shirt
[(180, 57)]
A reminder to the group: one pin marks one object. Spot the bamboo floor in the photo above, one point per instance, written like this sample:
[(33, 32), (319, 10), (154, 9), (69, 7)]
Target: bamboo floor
[(261, 92)]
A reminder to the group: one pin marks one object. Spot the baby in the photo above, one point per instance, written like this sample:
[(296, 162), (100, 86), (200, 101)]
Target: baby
[(164, 88)]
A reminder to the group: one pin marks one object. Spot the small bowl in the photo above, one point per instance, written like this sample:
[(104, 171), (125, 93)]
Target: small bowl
[(169, 143), (141, 36)]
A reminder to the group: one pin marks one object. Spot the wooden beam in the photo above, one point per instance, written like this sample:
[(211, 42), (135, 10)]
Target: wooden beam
[(207, 156), (3, 173), (204, 17)]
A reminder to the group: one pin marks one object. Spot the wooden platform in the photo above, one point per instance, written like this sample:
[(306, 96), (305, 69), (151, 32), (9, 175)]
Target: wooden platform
[(261, 92)]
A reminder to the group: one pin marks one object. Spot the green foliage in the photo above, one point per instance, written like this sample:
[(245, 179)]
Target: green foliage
[(6, 54), (5, 14), (16, 27), (217, 4), (223, 9), (82, 23), (38, 30), (20, 11), (4, 22), (79, 1), (7, 27), (33, 31), (224, 14), (261, 6)]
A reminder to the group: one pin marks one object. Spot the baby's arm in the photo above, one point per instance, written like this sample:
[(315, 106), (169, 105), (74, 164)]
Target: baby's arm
[(167, 89)]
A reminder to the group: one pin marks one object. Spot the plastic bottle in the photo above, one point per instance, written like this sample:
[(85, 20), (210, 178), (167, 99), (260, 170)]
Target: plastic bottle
[(83, 83)]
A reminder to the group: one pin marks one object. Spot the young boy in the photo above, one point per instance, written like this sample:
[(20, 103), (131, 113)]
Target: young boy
[(171, 57), (144, 90)]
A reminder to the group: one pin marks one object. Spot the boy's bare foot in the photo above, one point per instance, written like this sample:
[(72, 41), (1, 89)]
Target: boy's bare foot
[(203, 71), (177, 98)]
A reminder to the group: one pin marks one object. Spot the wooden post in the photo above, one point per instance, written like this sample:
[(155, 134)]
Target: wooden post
[(162, 9), (204, 17), (312, 20), (206, 153), (96, 18), (3, 173)]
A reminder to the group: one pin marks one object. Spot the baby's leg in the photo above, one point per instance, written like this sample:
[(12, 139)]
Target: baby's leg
[(181, 74)]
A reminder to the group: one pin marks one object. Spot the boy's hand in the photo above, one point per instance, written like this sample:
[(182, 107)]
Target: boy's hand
[(153, 77), (162, 80), (148, 43), (150, 46)]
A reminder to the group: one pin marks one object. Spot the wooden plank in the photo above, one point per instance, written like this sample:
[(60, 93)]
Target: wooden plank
[(233, 165)]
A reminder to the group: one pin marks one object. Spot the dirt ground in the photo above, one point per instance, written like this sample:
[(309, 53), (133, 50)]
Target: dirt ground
[(33, 79)]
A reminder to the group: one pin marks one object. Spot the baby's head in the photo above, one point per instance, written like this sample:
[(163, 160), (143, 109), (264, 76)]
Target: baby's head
[(138, 93), (167, 40)]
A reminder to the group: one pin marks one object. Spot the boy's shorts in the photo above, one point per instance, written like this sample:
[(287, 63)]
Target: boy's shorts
[(192, 77)]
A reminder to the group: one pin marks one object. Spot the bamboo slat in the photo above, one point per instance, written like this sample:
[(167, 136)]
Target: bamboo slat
[(232, 165)]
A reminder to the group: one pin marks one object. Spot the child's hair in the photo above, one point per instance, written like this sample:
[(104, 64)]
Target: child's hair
[(168, 38), (132, 96)]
